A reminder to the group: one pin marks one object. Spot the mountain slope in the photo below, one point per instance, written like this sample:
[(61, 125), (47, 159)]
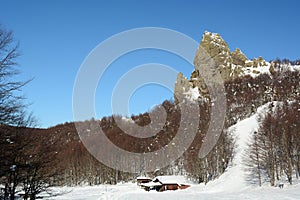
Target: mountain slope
[(230, 186), (234, 177)]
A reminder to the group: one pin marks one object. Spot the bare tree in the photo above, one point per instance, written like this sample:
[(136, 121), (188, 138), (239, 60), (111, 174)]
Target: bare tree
[(12, 110), (253, 161)]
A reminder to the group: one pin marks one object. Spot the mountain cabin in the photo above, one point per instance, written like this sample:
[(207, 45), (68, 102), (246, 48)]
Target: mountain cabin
[(163, 183)]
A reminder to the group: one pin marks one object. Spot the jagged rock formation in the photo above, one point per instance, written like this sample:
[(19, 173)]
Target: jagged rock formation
[(182, 87), (229, 64)]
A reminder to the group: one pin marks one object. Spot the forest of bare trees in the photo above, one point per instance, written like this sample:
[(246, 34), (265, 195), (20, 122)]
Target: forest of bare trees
[(81, 168), (274, 152)]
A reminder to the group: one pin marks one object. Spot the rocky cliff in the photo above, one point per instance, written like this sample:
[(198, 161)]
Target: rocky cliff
[(229, 64)]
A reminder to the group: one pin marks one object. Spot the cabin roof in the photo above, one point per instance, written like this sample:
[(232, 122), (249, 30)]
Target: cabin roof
[(170, 179), (151, 184)]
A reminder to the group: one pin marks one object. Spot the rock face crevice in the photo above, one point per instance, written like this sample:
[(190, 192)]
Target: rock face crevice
[(229, 65)]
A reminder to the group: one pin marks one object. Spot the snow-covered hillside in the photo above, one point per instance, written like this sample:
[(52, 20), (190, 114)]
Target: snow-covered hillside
[(234, 178), (231, 185)]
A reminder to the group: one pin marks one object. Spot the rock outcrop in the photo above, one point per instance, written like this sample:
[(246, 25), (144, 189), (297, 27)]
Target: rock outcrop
[(229, 64)]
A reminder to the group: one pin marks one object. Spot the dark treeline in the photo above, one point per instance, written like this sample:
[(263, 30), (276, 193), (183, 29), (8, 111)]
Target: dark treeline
[(285, 61), (73, 165), (27, 161)]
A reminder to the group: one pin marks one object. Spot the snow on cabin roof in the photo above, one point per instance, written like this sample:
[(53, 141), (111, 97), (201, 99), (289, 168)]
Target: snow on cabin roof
[(170, 179), (151, 184)]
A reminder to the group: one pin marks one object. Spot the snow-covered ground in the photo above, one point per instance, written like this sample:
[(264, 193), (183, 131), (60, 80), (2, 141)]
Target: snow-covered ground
[(130, 191), (230, 186)]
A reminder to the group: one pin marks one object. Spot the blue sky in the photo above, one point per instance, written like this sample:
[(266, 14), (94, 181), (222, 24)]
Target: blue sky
[(56, 36)]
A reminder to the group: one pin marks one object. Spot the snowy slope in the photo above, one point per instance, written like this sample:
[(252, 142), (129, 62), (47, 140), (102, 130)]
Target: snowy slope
[(230, 186), (234, 178)]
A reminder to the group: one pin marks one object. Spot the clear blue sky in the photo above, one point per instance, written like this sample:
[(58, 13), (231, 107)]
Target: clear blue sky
[(55, 36)]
